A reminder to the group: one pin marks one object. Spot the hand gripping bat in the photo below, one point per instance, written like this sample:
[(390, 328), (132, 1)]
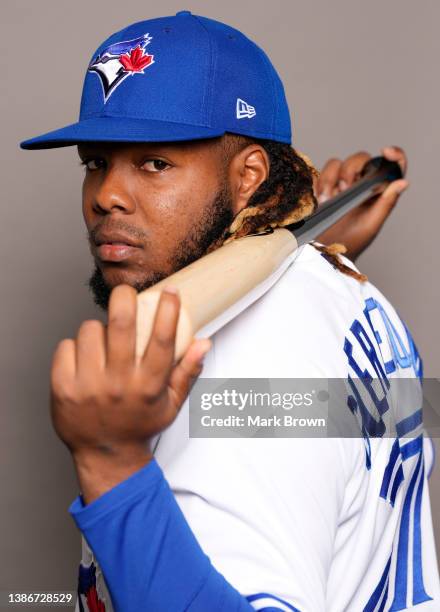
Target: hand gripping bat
[(217, 287)]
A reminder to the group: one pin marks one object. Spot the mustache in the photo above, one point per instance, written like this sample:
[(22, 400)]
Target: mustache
[(113, 227)]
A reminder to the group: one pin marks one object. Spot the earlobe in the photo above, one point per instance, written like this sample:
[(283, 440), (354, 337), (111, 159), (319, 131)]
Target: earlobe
[(251, 167)]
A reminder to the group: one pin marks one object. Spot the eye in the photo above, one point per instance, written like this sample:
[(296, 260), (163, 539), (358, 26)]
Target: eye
[(93, 163), (155, 165)]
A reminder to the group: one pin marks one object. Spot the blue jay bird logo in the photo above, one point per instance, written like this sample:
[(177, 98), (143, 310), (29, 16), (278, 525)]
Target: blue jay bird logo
[(121, 60)]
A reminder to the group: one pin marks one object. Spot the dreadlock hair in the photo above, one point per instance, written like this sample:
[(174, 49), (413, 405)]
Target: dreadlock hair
[(285, 197)]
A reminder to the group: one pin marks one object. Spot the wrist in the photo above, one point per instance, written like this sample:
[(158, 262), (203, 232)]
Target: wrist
[(100, 471)]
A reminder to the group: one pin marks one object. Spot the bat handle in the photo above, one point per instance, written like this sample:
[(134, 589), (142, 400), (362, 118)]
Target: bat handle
[(376, 175)]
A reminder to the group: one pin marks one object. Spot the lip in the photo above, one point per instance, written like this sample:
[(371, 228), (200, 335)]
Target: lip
[(113, 246), (116, 251)]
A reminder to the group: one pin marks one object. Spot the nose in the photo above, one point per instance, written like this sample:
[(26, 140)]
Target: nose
[(114, 195)]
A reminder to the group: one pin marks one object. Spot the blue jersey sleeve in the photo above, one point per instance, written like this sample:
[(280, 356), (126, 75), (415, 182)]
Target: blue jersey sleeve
[(148, 554)]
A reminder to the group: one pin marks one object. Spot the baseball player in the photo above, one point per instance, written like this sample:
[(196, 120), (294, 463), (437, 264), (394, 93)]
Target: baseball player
[(185, 135)]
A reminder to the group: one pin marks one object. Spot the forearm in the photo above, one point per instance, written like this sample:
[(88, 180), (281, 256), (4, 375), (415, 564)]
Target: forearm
[(147, 552)]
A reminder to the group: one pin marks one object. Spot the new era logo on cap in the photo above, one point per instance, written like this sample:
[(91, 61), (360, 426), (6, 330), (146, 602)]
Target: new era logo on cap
[(245, 110)]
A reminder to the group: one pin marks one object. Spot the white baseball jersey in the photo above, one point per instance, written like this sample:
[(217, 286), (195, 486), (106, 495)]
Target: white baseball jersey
[(316, 525)]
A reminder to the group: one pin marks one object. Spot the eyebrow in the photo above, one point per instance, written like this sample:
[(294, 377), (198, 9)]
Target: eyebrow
[(101, 148)]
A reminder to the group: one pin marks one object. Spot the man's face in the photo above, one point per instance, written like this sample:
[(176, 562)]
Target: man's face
[(151, 208)]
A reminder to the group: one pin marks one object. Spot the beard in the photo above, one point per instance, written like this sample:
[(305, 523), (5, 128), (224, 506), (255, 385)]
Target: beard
[(216, 218)]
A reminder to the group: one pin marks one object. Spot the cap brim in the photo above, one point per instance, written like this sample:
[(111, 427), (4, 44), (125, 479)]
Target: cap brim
[(114, 129)]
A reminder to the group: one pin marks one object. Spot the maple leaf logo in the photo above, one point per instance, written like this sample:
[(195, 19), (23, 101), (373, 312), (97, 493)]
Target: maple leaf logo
[(93, 602), (136, 60)]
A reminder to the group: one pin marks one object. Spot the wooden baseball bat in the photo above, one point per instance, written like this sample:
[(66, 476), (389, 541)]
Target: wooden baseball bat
[(218, 286)]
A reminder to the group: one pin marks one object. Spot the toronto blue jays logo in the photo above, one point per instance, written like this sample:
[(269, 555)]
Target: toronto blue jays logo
[(121, 60)]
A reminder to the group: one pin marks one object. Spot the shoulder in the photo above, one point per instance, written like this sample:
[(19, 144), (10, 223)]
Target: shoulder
[(298, 327)]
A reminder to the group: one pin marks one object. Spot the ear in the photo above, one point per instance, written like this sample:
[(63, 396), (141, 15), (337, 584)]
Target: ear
[(247, 170)]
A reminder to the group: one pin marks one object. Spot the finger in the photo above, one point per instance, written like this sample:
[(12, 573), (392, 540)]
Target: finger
[(158, 356), (398, 155), (382, 207), (90, 350), (121, 330), (328, 179), (315, 181), (188, 369), (351, 169), (63, 368)]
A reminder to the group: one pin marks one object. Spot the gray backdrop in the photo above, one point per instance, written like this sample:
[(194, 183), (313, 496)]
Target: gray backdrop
[(358, 76)]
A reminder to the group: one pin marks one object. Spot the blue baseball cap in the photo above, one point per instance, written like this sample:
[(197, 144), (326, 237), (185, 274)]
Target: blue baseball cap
[(183, 77)]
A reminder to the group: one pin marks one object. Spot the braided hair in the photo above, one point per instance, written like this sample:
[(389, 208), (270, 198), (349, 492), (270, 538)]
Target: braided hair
[(285, 197)]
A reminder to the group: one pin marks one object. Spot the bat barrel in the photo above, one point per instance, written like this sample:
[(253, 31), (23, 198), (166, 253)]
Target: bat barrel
[(217, 287)]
